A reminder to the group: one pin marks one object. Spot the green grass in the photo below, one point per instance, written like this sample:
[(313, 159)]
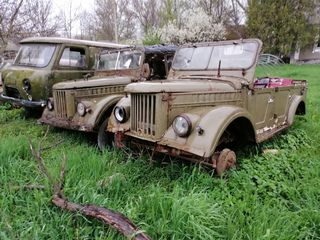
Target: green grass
[(266, 197)]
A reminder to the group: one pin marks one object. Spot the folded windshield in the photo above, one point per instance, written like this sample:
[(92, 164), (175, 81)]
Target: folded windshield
[(119, 60), (36, 55), (228, 56)]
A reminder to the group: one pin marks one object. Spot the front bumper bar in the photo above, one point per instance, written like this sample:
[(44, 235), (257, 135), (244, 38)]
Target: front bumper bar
[(64, 123), (23, 102)]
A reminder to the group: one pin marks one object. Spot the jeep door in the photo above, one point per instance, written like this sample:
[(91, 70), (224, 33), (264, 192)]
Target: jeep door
[(281, 104), (261, 106)]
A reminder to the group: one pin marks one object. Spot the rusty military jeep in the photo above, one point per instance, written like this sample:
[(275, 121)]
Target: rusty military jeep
[(86, 105), (42, 62), (210, 103)]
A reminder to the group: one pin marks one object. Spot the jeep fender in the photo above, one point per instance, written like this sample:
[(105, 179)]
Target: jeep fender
[(213, 123), (296, 101), (102, 107)]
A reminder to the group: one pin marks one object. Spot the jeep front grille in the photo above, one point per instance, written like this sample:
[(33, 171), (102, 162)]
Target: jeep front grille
[(143, 114), (60, 103)]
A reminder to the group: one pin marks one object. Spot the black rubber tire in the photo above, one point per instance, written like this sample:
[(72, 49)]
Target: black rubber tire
[(105, 139), (33, 112)]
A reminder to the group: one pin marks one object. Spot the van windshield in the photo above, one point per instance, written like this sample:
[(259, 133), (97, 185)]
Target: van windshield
[(35, 55), (227, 56), (119, 60)]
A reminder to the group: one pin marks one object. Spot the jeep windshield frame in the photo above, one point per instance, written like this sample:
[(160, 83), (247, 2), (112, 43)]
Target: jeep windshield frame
[(35, 55), (225, 56), (119, 60)]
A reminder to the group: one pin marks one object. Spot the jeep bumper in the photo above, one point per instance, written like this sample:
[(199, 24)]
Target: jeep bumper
[(124, 139), (23, 102)]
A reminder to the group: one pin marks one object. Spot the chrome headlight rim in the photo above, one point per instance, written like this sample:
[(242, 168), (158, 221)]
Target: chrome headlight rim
[(50, 104), (81, 109), (120, 114), (182, 125), (26, 85)]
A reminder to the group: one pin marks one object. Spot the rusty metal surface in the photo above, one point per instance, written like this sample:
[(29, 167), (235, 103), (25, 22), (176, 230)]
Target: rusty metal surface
[(67, 124)]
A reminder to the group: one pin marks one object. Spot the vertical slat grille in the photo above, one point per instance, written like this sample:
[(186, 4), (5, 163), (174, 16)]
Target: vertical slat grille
[(60, 104), (143, 113)]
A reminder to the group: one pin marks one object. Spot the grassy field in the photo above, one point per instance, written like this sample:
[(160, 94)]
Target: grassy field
[(266, 197)]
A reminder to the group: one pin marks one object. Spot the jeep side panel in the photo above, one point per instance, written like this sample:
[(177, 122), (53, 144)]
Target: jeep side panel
[(212, 126)]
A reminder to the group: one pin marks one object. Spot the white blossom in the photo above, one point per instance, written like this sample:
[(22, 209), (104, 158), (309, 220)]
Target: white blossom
[(197, 26)]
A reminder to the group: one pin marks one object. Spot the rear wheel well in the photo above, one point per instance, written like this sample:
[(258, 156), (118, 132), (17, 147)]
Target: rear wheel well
[(103, 116), (239, 132), (301, 109)]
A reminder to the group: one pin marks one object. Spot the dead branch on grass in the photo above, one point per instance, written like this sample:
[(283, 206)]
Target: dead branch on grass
[(111, 218)]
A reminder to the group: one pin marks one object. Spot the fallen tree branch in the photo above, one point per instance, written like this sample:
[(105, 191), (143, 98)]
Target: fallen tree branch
[(116, 220), (111, 218)]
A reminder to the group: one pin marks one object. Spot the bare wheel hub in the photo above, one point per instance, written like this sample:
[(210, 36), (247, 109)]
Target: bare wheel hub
[(225, 161)]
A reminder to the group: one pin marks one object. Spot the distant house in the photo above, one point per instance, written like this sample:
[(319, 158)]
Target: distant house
[(9, 52), (311, 53)]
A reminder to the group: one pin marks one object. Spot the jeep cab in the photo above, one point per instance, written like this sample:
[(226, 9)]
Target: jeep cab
[(42, 62), (210, 103), (85, 105)]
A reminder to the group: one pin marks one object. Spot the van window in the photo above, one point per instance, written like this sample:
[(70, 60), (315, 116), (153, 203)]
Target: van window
[(73, 57), (35, 55)]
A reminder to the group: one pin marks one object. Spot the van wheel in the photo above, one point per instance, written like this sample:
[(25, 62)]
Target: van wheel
[(104, 138), (225, 161), (32, 112)]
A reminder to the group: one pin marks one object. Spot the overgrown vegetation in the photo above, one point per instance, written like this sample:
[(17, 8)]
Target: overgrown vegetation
[(281, 24), (266, 197)]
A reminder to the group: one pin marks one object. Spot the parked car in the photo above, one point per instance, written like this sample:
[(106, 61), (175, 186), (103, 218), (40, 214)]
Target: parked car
[(86, 105), (42, 62), (210, 104)]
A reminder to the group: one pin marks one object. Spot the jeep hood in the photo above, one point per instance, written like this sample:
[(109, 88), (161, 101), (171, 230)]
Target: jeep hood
[(179, 86), (92, 82)]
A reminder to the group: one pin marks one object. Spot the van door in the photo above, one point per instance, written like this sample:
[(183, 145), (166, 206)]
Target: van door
[(72, 63)]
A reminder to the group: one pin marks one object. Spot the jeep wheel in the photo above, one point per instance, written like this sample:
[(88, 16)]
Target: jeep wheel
[(225, 161), (104, 138)]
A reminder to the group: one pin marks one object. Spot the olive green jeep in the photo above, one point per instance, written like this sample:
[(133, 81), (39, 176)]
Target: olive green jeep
[(85, 105), (210, 103), (42, 62)]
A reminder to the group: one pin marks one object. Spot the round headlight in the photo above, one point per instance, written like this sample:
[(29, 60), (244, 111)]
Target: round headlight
[(50, 104), (81, 109), (26, 85), (120, 114), (182, 126)]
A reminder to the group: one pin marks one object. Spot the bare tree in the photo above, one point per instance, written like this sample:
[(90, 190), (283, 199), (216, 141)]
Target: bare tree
[(218, 9), (41, 20), (87, 25), (69, 16), (126, 20), (10, 24), (147, 13), (105, 19), (115, 19)]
